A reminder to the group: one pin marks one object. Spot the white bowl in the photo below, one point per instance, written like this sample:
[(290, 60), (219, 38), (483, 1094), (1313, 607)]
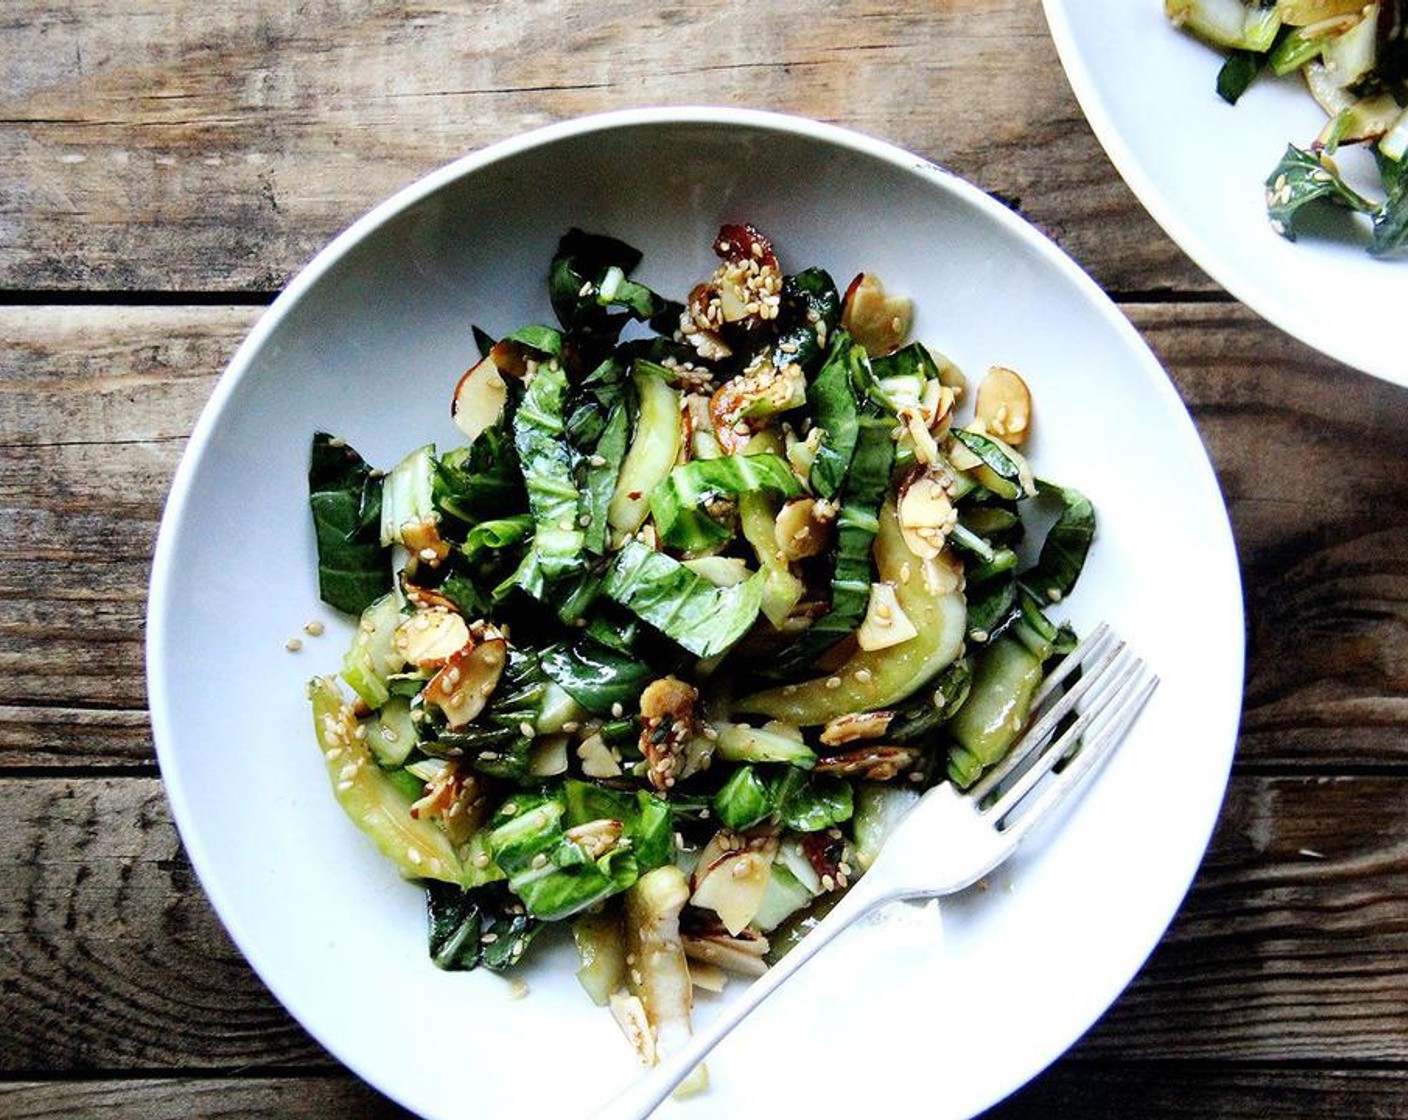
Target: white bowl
[(368, 341), (1200, 166)]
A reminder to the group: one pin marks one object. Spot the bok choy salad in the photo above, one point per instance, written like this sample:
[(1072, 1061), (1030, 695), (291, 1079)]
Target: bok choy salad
[(710, 594), (1353, 57)]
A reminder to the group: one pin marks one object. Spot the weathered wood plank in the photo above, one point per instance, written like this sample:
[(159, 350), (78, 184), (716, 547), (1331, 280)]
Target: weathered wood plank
[(1074, 1090), (1314, 467), (1071, 1090), (157, 145), (254, 1098), (110, 958)]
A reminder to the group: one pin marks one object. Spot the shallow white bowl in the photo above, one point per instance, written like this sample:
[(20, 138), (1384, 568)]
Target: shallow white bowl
[(1200, 166), (903, 1017)]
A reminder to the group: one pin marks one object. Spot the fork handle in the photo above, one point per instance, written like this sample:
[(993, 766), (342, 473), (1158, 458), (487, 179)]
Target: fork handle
[(639, 1099)]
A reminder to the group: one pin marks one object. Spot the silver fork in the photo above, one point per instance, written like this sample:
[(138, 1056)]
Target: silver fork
[(950, 840)]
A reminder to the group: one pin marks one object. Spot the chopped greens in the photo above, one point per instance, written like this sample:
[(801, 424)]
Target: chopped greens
[(669, 644)]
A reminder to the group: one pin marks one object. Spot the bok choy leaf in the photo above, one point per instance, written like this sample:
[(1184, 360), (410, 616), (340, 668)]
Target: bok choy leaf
[(547, 464), (679, 505), (354, 570), (704, 619)]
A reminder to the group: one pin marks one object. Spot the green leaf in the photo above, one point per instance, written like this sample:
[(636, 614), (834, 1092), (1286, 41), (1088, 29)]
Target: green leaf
[(554, 876), (1391, 223), (1237, 73), (354, 569), (596, 676), (494, 744), (480, 481), (1301, 178), (603, 469), (679, 503), (547, 463), (812, 802), (704, 619), (832, 403), (1066, 546), (808, 314), (856, 525), (743, 800), (459, 921)]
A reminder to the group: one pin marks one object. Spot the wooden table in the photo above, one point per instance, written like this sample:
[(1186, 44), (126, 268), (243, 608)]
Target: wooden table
[(166, 165)]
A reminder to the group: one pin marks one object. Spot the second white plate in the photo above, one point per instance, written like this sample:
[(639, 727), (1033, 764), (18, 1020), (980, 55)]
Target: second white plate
[(1199, 166)]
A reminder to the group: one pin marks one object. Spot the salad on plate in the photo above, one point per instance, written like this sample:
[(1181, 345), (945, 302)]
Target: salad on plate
[(711, 592), (1353, 58)]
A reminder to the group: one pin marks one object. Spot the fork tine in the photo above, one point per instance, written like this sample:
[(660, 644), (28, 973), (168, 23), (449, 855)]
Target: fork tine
[(1100, 653), (1098, 746), (1106, 688)]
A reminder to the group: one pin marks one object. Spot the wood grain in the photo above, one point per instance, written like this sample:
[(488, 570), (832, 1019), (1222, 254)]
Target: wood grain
[(110, 958), (1070, 1091), (164, 146)]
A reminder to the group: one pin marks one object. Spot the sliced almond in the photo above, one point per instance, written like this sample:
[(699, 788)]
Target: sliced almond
[(800, 533), (856, 725), (479, 399), (877, 321), (597, 759), (596, 838), (885, 622), (429, 637), (467, 679), (926, 515), (875, 764), (1004, 405), (629, 1013), (733, 885)]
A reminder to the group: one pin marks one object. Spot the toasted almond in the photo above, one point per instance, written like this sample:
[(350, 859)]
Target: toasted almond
[(1004, 405)]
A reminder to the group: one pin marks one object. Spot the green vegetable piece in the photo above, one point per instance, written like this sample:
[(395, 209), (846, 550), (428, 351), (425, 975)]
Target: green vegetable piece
[(374, 802), (469, 928), (1302, 178), (602, 949), (811, 802), (391, 735), (547, 464), (809, 311), (872, 679), (743, 800), (880, 806), (782, 590), (737, 742), (1391, 223), (596, 676), (653, 451), (832, 402), (704, 619), (1227, 23), (922, 715), (554, 876), (1003, 470), (679, 503), (856, 525), (408, 494), (1238, 73), (353, 567), (481, 481), (603, 472), (1005, 678), (372, 658), (1066, 546)]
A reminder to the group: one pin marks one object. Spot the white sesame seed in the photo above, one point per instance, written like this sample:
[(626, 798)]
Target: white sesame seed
[(617, 710), (526, 729), (313, 629), (293, 645), (414, 856)]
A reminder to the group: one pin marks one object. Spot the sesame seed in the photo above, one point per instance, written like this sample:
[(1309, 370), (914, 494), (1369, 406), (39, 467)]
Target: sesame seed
[(481, 861), (863, 675), (517, 989), (617, 710), (597, 460), (293, 645), (585, 290), (414, 856), (539, 861), (313, 629), (526, 729), (344, 786), (571, 725), (828, 883), (509, 809), (833, 682), (489, 938)]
